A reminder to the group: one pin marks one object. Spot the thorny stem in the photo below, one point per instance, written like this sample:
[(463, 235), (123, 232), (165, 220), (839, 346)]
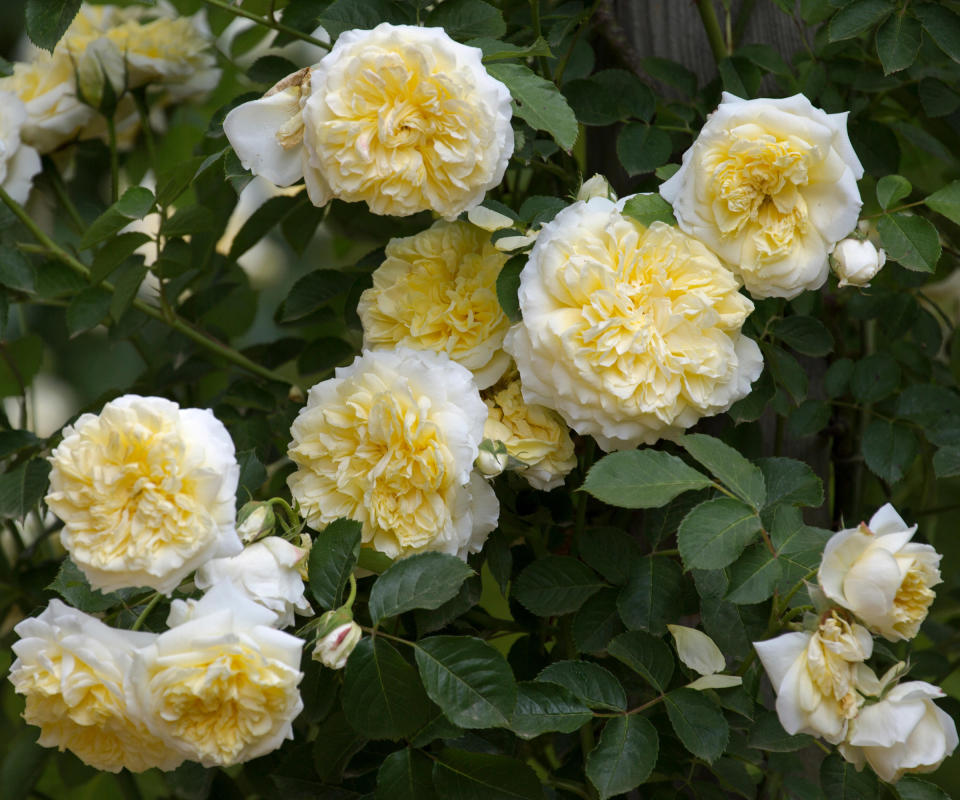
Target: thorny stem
[(269, 23)]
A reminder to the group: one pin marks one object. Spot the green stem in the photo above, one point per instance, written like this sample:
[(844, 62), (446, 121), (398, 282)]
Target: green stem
[(146, 612), (179, 325), (277, 26), (140, 100), (711, 25), (353, 592), (114, 160), (53, 175), (895, 210)]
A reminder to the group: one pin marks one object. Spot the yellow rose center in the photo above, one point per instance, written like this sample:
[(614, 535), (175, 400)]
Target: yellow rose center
[(912, 601), (831, 660)]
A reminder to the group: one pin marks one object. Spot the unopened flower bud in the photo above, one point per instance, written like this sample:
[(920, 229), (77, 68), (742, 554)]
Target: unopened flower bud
[(597, 186), (255, 520), (101, 76), (857, 261), (492, 459), (335, 642)]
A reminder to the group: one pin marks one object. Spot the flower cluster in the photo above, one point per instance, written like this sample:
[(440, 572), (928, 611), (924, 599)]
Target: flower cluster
[(875, 574)]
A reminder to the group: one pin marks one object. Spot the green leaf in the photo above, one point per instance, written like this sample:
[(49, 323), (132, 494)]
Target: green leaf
[(946, 201), (857, 17), (910, 240), (26, 354), (609, 96), (946, 461), (715, 533), (424, 580), (837, 378), (538, 102), (545, 707), (114, 251), (16, 271), (624, 757), (589, 682), (910, 787), (382, 696), (332, 558), (698, 722), (597, 622), (72, 585), (126, 284), (495, 50), (740, 476), (938, 99), (809, 418), (344, 15), (642, 148), (272, 213), (188, 221), (670, 72), (555, 585), (740, 76), (470, 681), (23, 763), (651, 596), (753, 576), (480, 776), (874, 378), (898, 42), (135, 203), (87, 309), (942, 25), (336, 744), (313, 290), (641, 478), (768, 734), (467, 19), (611, 552), (649, 208), (840, 780), (892, 188), (406, 775), (888, 449), (48, 20), (786, 371), (806, 335), (508, 286), (790, 534), (647, 655)]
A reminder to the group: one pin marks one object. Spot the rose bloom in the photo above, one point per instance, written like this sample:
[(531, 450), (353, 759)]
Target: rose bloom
[(437, 290), (146, 491), (770, 186), (267, 572), (815, 676), (400, 117), (857, 261), (221, 686), (390, 442), (533, 435), (630, 333), (876, 572), (18, 161), (904, 732), (72, 669)]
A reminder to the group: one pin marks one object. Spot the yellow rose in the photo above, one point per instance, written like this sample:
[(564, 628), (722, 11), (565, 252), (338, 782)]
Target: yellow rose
[(437, 290), (533, 435), (770, 186), (630, 333), (390, 442), (221, 686), (146, 491), (72, 669)]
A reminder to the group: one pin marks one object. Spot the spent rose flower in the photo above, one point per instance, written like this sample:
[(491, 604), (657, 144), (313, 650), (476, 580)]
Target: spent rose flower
[(770, 185), (532, 435), (146, 491), (437, 290), (390, 442), (876, 572), (400, 117), (700, 653), (630, 333), (220, 687), (815, 676), (902, 733), (72, 670), (857, 261)]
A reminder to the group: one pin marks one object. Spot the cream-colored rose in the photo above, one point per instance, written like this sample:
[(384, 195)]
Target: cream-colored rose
[(857, 261), (437, 290), (73, 669), (334, 648), (391, 441), (146, 491), (876, 572), (267, 572), (400, 117), (533, 435), (630, 333), (815, 676), (770, 186), (902, 733), (18, 161), (221, 686)]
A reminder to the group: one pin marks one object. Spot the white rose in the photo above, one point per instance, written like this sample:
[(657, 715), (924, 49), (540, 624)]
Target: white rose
[(18, 161), (815, 676), (769, 185), (876, 572), (146, 491), (334, 648), (857, 261), (390, 442), (221, 686), (630, 333), (400, 117), (73, 671), (904, 732), (267, 572)]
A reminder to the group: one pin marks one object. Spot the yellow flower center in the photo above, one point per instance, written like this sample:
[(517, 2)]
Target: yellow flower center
[(913, 599), (831, 660)]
